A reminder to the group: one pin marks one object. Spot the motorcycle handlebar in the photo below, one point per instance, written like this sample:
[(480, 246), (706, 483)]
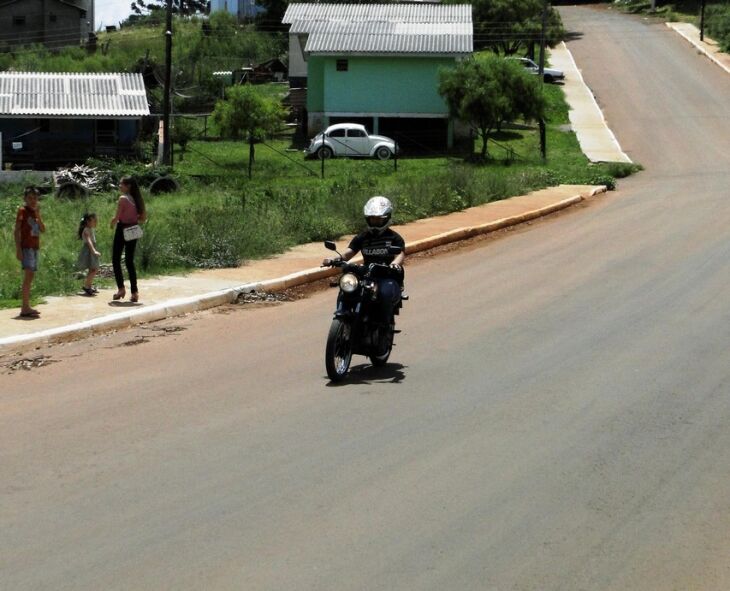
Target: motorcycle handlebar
[(363, 269)]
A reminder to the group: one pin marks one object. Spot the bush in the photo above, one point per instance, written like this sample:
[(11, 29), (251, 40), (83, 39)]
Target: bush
[(717, 17)]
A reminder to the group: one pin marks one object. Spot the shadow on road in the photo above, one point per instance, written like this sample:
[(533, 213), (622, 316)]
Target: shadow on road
[(390, 373), (573, 36)]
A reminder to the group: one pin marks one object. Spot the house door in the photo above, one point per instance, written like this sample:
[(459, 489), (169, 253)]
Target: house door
[(106, 136)]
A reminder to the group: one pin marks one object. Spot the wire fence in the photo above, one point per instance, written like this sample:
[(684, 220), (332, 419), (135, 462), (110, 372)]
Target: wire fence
[(290, 160)]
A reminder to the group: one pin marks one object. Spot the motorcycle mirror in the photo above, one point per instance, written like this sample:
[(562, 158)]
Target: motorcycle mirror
[(328, 244), (396, 250)]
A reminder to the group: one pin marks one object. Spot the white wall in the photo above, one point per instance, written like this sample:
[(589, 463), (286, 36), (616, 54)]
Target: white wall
[(297, 65)]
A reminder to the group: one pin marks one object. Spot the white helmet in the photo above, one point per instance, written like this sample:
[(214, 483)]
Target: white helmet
[(381, 208)]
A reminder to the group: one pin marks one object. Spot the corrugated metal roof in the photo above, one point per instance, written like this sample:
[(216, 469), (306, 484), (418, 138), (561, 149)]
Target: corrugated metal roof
[(378, 38), (69, 95), (404, 13), (383, 28)]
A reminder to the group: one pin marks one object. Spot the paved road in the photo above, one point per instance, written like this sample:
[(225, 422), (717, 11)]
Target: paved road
[(559, 419)]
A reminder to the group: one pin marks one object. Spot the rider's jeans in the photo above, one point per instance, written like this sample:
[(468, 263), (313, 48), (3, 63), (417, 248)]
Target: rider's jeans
[(389, 295)]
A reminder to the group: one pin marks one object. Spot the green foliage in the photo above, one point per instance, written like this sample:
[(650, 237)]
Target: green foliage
[(249, 112), (488, 91), (183, 130), (200, 47), (507, 26), (717, 17), (183, 7), (275, 10)]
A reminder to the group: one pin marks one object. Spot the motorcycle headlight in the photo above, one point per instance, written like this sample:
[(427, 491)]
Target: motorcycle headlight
[(349, 282)]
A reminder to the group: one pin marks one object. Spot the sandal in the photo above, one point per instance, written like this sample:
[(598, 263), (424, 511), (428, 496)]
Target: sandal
[(88, 291)]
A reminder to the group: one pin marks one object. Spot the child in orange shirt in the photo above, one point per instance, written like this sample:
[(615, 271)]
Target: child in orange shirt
[(28, 228)]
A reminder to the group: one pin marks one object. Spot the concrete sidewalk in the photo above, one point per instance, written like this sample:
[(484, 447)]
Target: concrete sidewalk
[(596, 139), (63, 318), (709, 47)]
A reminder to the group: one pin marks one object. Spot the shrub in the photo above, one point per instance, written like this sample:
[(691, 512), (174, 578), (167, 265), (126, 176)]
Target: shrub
[(717, 17)]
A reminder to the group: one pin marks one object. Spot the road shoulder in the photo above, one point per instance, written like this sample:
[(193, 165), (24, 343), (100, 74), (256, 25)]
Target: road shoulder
[(709, 48)]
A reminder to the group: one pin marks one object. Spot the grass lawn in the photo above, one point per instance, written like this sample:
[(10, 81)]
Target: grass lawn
[(220, 218)]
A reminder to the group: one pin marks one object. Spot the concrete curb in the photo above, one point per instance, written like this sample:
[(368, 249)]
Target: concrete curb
[(614, 140), (181, 306), (699, 47)]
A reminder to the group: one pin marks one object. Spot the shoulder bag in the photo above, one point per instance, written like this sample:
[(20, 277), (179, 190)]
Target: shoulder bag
[(132, 233)]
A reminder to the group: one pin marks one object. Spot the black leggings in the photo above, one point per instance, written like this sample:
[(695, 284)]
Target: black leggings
[(128, 248)]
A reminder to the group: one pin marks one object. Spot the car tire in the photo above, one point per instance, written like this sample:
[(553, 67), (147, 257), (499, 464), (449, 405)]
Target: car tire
[(324, 153), (383, 153), (549, 79)]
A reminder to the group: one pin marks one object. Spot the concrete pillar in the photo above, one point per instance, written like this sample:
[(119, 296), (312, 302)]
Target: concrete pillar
[(376, 125), (450, 135)]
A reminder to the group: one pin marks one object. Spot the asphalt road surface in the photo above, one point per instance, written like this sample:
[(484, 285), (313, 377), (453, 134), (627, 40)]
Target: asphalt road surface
[(557, 415)]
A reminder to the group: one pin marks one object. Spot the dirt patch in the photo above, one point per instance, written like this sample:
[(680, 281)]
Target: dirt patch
[(135, 342), (262, 297), (166, 330), (29, 363), (258, 299)]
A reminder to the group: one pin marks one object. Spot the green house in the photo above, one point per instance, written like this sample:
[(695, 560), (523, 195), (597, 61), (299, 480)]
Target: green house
[(378, 64)]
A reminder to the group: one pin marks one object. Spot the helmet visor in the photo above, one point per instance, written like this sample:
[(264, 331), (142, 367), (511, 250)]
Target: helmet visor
[(377, 221)]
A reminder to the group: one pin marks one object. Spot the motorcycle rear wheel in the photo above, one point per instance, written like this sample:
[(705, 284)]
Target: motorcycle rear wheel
[(338, 353)]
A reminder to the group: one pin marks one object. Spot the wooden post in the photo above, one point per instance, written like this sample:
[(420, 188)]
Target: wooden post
[(702, 21), (541, 72), (166, 158), (250, 156)]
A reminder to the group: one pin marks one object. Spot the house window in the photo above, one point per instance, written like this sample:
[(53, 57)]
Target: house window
[(82, 14), (52, 18), (19, 21), (342, 65)]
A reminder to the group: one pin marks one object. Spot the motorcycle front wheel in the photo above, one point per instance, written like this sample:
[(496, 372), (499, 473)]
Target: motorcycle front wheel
[(380, 357), (338, 352)]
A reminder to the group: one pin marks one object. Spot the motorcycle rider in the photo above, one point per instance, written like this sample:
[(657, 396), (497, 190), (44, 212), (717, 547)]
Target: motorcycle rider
[(374, 244)]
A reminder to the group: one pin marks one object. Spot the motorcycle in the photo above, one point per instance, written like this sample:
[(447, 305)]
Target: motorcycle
[(358, 326)]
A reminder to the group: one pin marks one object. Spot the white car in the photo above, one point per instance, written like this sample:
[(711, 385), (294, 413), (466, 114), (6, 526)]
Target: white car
[(549, 74), (350, 139)]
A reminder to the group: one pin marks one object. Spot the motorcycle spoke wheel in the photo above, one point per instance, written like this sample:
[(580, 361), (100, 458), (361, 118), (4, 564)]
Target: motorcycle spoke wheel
[(339, 350), (382, 358)]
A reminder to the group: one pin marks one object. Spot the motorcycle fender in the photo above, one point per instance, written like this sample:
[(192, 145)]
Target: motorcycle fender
[(344, 311)]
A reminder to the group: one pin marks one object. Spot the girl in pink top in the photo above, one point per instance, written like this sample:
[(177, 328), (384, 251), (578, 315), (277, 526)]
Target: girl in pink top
[(130, 211)]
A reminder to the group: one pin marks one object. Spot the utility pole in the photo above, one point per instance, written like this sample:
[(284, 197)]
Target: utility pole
[(167, 145), (541, 73), (702, 21)]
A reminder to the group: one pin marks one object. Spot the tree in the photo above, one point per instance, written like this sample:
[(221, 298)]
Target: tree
[(506, 26), (183, 130), (183, 7), (273, 13), (486, 92), (246, 111)]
